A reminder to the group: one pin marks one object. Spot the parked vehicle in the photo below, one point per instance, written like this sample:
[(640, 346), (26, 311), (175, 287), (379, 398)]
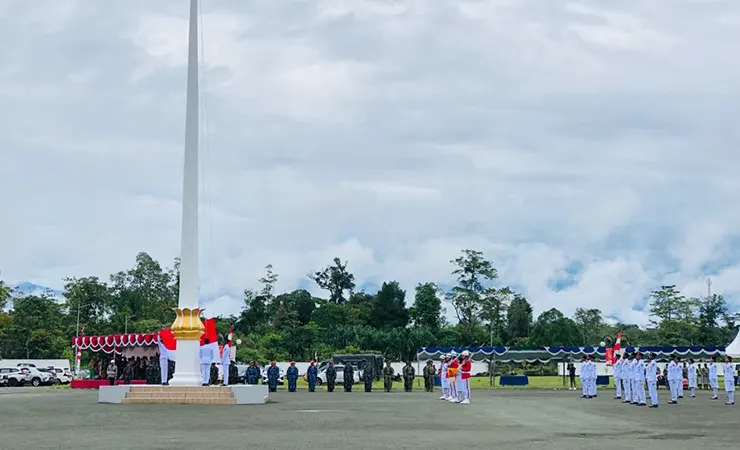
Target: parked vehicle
[(58, 375), (359, 361), (12, 376), (321, 377), (281, 378), (36, 378)]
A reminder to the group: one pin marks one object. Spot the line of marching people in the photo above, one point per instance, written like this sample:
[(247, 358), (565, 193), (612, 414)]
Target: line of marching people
[(454, 374), (632, 373)]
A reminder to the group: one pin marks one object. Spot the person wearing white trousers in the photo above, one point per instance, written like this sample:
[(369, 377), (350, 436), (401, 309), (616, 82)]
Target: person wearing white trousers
[(206, 359), (651, 375), (714, 378), (226, 363), (729, 373), (627, 379), (443, 379), (618, 378), (680, 377), (164, 364), (692, 378), (674, 377), (639, 377)]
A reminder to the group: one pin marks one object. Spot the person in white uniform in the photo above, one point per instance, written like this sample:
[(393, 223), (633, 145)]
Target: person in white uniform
[(651, 375), (673, 379), (729, 373), (206, 359), (618, 364), (582, 375), (692, 378), (226, 363), (627, 378), (713, 378), (680, 376), (163, 364), (639, 377), (592, 377), (443, 379)]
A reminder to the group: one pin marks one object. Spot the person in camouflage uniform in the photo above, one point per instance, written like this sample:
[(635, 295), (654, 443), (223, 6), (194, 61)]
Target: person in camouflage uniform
[(387, 376), (368, 375), (152, 374), (331, 377), (349, 377), (128, 372), (408, 376), (429, 373), (214, 374)]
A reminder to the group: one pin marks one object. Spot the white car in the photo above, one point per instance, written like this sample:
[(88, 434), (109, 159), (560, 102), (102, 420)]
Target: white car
[(12, 376), (321, 378), (36, 378)]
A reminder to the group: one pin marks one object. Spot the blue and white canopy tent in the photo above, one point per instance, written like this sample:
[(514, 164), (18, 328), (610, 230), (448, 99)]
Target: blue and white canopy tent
[(564, 353)]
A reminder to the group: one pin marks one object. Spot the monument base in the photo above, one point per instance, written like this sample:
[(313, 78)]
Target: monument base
[(242, 394), (187, 365)]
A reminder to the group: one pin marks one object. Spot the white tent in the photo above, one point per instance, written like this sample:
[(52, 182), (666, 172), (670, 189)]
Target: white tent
[(733, 349)]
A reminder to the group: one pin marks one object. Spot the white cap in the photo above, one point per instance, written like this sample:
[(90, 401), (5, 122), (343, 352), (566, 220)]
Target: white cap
[(453, 353), (466, 353)]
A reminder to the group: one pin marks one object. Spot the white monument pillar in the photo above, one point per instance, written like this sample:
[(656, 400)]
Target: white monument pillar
[(187, 327)]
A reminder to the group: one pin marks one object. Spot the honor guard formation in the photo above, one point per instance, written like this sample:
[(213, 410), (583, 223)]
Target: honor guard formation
[(632, 372)]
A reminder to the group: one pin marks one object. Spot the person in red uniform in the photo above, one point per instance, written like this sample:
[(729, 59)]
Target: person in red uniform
[(452, 369), (465, 367)]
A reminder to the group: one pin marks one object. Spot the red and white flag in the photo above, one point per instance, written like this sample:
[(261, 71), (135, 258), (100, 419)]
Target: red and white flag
[(212, 337), (618, 345), (167, 344)]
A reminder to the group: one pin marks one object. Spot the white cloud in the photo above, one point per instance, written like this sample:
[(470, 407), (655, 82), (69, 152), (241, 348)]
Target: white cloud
[(389, 133)]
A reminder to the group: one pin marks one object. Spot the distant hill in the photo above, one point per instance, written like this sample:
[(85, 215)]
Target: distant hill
[(25, 288)]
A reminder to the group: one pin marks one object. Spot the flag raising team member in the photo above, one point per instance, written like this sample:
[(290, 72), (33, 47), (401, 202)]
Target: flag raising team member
[(729, 373), (465, 367), (714, 378)]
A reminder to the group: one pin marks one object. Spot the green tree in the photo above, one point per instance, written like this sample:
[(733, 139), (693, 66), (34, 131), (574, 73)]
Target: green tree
[(553, 328), (336, 280), (427, 309), (390, 307), (519, 319), (92, 299), (591, 324), (473, 273), (5, 293), (494, 305), (712, 309)]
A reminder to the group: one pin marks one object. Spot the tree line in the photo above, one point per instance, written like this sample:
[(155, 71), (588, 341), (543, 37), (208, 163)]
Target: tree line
[(298, 325)]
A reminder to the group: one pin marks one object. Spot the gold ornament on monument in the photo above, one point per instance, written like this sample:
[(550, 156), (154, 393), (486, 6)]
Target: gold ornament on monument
[(187, 325)]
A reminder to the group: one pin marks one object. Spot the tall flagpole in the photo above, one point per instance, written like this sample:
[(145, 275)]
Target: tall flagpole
[(187, 327)]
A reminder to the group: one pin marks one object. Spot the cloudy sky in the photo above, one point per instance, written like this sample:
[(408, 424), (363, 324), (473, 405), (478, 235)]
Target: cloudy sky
[(589, 148)]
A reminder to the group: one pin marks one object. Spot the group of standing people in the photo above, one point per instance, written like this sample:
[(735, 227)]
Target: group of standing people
[(454, 374), (631, 373)]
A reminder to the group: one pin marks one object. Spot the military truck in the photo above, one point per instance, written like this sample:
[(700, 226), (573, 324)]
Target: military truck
[(359, 362)]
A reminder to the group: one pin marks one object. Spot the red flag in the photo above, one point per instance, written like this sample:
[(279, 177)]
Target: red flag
[(618, 345), (210, 332)]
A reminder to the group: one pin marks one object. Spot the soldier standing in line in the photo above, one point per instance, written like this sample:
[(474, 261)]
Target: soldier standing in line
[(128, 372), (292, 375), (273, 373), (408, 376), (253, 373), (312, 373), (369, 376), (331, 377), (349, 377), (387, 376), (429, 373), (152, 375)]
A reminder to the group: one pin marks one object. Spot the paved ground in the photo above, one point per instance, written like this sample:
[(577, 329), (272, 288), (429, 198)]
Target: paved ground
[(41, 419)]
